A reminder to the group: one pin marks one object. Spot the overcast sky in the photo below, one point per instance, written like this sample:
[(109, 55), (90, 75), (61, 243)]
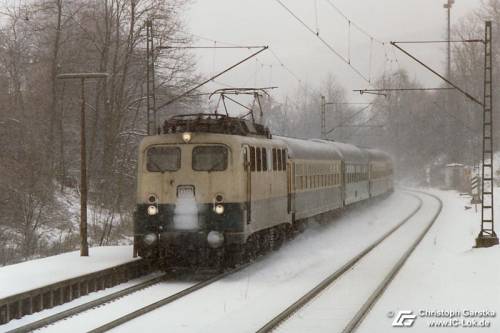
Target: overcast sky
[(265, 22)]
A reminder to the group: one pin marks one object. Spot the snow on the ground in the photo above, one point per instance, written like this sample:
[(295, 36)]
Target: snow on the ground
[(25, 276), (246, 300), (445, 273)]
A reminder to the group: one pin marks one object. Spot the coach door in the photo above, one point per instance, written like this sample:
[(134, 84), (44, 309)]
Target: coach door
[(290, 185), (248, 180)]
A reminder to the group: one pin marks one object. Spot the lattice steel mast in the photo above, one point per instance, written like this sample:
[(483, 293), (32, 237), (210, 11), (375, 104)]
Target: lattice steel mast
[(487, 236)]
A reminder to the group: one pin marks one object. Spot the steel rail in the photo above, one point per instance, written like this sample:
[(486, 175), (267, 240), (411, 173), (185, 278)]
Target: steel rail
[(87, 306), (288, 312), (382, 287), (151, 307)]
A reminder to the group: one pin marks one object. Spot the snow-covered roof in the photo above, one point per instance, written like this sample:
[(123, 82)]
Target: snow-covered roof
[(352, 154), (377, 155), (311, 149), (325, 150)]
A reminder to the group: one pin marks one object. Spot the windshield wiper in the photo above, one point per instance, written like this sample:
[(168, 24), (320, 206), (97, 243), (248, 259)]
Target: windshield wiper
[(215, 165), (156, 165)]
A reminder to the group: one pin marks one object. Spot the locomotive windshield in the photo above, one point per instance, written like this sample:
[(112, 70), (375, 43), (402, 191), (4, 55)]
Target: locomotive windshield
[(161, 159), (210, 158)]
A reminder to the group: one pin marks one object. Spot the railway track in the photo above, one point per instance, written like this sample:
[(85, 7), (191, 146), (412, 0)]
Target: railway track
[(169, 299), (87, 306), (75, 311), (375, 295)]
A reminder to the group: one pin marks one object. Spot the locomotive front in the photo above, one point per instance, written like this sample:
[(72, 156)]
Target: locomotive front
[(190, 203)]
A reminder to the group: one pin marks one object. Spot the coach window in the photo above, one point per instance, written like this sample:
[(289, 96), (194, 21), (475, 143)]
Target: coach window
[(275, 161), (283, 158), (264, 159), (278, 152), (252, 159), (258, 159)]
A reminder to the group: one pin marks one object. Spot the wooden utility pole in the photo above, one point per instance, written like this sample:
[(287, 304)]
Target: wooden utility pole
[(84, 246)]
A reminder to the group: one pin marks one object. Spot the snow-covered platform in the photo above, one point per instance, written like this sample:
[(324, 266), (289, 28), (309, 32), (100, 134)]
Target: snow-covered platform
[(43, 283), (25, 276)]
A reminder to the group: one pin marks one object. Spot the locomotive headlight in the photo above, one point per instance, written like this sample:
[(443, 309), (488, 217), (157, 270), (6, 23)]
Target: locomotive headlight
[(215, 239), (149, 239), (219, 209), (152, 210), (186, 137)]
